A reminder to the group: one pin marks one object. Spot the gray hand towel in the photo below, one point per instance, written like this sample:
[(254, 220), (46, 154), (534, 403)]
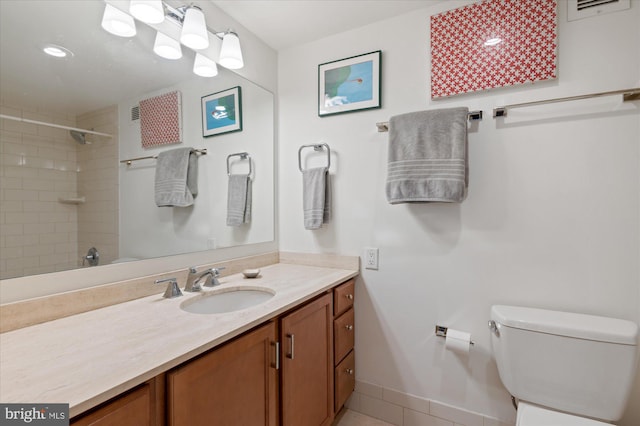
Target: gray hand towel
[(176, 183), (239, 200), (428, 156), (316, 197)]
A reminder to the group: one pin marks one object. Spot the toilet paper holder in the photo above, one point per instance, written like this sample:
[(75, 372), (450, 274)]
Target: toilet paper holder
[(442, 332)]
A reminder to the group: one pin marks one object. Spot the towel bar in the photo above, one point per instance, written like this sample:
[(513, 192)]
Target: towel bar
[(243, 156), (383, 126), (153, 157), (316, 147)]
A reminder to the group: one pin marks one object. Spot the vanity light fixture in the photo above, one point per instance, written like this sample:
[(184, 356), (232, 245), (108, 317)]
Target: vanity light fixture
[(167, 47), (147, 11), (186, 23), (204, 67), (117, 22), (194, 29), (230, 52)]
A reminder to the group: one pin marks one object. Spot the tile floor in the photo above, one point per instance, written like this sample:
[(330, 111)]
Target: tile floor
[(351, 418)]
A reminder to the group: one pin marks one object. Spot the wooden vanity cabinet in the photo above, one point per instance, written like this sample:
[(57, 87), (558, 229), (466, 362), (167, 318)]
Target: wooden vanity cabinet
[(233, 385), (249, 381), (138, 407), (306, 339), (344, 333)]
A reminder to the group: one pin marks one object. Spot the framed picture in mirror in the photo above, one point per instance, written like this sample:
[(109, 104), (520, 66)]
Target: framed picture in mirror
[(222, 112)]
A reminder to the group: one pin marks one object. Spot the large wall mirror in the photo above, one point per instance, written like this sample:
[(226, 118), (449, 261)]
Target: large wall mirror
[(64, 192)]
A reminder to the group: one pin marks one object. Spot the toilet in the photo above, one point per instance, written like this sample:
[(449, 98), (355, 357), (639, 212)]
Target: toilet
[(564, 368)]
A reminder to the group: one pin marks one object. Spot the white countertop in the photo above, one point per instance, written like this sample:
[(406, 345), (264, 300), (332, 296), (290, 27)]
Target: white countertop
[(88, 358)]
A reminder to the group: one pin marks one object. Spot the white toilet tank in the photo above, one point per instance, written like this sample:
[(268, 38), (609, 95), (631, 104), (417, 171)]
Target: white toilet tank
[(581, 364)]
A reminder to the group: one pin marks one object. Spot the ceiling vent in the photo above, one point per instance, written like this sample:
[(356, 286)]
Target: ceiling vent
[(579, 9)]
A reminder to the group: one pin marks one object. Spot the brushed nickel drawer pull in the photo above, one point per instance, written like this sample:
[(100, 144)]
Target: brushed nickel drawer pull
[(349, 296), (349, 371), (349, 327)]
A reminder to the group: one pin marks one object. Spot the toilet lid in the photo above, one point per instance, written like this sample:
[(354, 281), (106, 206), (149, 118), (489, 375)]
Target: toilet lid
[(533, 415)]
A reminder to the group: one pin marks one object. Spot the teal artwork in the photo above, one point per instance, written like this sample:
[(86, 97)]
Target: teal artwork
[(221, 112), (348, 84)]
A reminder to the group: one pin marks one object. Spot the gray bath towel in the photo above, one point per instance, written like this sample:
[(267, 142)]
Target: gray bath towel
[(176, 178), (239, 200), (428, 156), (316, 197)]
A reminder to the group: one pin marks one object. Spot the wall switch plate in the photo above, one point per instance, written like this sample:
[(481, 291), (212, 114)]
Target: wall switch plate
[(371, 258)]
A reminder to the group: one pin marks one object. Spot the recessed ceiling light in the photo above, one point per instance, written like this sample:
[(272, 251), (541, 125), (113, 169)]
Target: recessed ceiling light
[(57, 51)]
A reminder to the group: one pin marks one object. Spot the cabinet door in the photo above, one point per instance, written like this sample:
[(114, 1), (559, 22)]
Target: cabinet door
[(306, 337), (233, 385), (134, 408)]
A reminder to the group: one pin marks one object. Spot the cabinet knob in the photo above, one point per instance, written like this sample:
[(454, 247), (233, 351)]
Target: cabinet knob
[(349, 327), (349, 296), (349, 371)]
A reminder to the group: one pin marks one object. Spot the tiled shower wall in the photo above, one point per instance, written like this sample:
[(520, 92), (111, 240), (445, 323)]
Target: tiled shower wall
[(40, 167), (98, 183)]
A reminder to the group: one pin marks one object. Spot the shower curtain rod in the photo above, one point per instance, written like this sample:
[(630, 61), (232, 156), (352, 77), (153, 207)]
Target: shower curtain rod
[(58, 126)]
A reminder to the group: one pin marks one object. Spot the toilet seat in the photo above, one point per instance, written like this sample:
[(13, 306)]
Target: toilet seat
[(533, 415)]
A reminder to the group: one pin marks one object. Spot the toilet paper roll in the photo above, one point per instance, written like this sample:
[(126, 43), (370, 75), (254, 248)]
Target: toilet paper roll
[(458, 341)]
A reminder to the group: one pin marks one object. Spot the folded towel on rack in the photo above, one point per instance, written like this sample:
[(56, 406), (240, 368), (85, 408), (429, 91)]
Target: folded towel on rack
[(428, 156), (176, 183), (239, 200), (316, 197)]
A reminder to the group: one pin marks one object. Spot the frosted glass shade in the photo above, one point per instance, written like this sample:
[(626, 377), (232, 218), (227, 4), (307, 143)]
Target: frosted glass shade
[(148, 11), (204, 67), (230, 52), (194, 29), (117, 22), (167, 47)]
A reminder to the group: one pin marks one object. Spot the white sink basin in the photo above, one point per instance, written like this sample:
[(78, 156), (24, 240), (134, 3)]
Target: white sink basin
[(227, 300)]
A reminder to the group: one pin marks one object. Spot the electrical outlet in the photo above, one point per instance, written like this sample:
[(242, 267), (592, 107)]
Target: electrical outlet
[(371, 258)]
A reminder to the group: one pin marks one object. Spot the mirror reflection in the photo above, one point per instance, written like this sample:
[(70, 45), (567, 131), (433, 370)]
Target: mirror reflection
[(65, 193)]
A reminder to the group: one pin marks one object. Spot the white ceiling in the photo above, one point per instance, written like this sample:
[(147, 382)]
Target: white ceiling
[(285, 23)]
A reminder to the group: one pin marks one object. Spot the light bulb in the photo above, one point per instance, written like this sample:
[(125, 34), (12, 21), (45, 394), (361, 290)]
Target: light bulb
[(204, 67), (117, 22), (167, 47), (230, 52), (194, 29), (148, 11)]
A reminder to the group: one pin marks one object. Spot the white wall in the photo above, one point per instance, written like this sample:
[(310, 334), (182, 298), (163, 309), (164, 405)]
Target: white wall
[(551, 220)]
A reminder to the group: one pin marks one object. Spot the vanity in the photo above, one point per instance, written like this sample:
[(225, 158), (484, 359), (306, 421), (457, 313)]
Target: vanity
[(287, 359)]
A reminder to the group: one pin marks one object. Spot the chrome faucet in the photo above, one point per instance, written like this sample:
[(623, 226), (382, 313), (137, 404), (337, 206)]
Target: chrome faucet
[(172, 288), (194, 279)]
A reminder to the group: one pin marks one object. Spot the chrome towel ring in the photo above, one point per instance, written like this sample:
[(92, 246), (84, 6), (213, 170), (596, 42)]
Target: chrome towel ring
[(243, 156), (316, 147)]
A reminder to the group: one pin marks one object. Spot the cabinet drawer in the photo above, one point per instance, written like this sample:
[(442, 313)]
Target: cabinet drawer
[(343, 332), (345, 378), (343, 297)]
